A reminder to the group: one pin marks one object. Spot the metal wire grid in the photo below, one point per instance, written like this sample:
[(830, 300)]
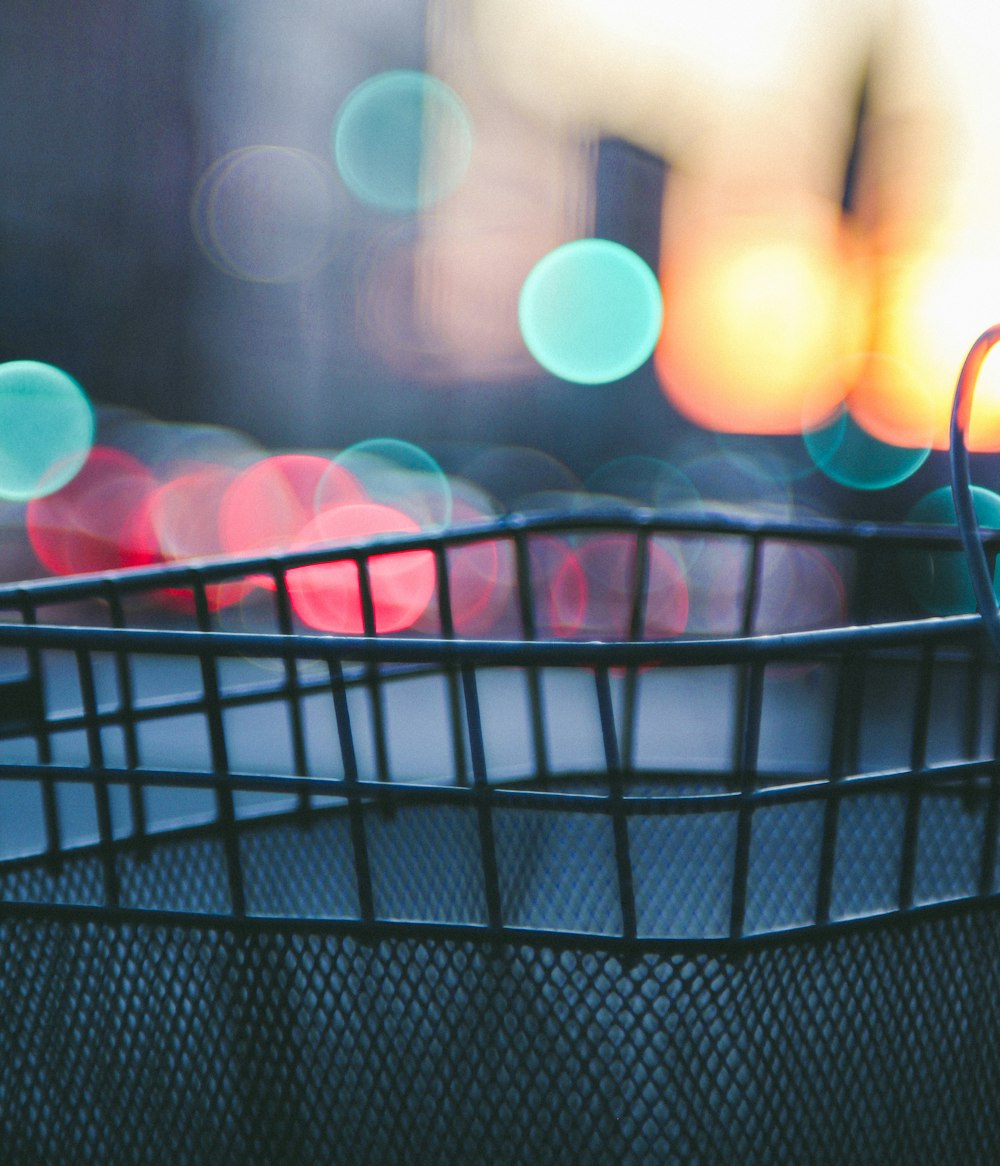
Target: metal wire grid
[(932, 787), (634, 959)]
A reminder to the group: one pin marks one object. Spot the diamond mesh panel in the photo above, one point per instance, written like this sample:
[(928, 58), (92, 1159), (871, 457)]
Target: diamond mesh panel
[(77, 881), (179, 875), (682, 873), (426, 864), (557, 871), (127, 1043), (950, 842), (321, 846), (869, 853), (782, 893)]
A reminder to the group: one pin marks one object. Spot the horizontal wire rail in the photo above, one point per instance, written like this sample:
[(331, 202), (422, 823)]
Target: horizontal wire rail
[(861, 536), (740, 791)]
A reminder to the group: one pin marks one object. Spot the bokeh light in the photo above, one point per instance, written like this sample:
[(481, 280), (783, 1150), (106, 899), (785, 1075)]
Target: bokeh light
[(641, 480), (801, 588), (183, 514), (481, 576), (481, 573), (891, 401), (590, 311), (402, 140), (327, 596), (716, 579), (759, 315), (737, 483), (608, 563), (517, 475), (267, 506), (774, 458), (939, 580), (440, 294), (268, 214), (437, 299), (934, 300), (559, 587), (93, 522), (171, 448), (46, 429), (853, 457), (394, 473)]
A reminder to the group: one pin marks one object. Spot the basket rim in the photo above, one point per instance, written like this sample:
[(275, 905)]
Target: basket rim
[(21, 598), (513, 526), (763, 648)]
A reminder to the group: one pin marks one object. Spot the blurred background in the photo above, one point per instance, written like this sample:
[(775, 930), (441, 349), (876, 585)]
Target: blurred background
[(312, 224)]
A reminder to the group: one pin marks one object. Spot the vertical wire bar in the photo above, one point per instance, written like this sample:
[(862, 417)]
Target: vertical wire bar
[(529, 628), (749, 701), (746, 770), (991, 825), (126, 698), (484, 802), (102, 795), (372, 673), (864, 589), (752, 588), (841, 749), (918, 759), (292, 687), (636, 628), (43, 742), (225, 808), (845, 745), (616, 796), (747, 617), (359, 842), (846, 749), (451, 673)]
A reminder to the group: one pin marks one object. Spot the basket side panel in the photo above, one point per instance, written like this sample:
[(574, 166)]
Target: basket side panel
[(129, 1043)]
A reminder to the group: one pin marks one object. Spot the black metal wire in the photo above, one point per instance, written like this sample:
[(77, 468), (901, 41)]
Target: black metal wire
[(961, 484), (548, 962)]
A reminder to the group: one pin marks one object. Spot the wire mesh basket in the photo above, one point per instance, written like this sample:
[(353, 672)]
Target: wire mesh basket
[(575, 893)]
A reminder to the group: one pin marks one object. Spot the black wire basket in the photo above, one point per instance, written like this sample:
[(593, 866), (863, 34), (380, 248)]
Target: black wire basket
[(569, 894), (694, 859)]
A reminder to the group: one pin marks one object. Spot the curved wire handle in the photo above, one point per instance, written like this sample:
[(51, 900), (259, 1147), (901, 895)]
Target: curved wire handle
[(961, 484)]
